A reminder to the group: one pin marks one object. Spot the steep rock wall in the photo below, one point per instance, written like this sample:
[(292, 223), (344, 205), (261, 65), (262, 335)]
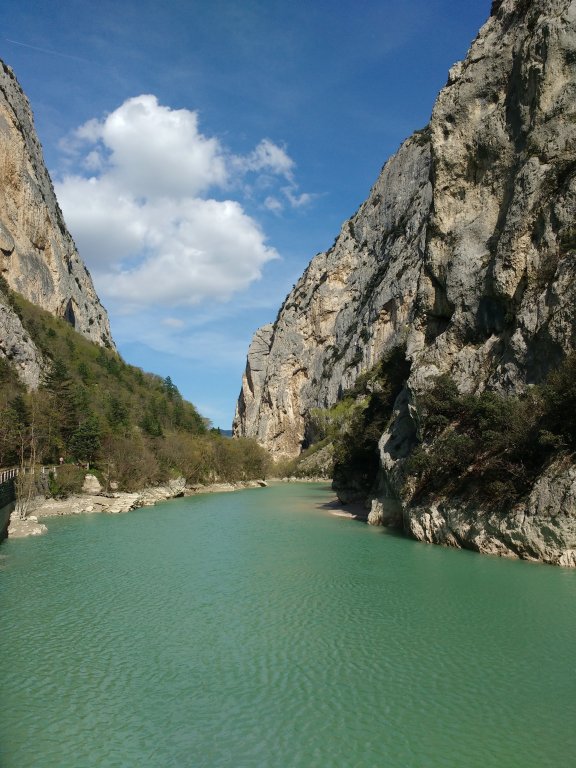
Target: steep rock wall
[(352, 303), (38, 257), (465, 252)]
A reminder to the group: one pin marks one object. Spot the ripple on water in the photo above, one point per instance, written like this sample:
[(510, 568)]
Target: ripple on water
[(253, 629)]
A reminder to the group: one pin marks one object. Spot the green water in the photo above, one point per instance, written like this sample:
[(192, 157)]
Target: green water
[(257, 629)]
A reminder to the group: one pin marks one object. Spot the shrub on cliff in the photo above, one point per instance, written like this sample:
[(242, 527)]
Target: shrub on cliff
[(559, 398), (492, 446)]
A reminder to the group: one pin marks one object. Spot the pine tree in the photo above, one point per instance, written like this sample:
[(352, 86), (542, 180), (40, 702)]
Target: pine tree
[(85, 440)]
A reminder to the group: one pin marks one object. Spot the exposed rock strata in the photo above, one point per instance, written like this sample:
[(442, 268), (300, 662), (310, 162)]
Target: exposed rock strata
[(38, 258), (541, 528), (465, 252)]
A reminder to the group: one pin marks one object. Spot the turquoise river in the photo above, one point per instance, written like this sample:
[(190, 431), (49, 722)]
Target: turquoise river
[(258, 629)]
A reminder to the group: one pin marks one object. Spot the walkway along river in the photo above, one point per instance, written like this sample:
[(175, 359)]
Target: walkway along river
[(7, 499)]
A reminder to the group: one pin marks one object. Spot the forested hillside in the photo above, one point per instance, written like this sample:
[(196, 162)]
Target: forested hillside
[(92, 408)]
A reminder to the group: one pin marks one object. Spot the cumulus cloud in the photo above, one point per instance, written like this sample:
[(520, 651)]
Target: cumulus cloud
[(154, 151), (141, 204), (108, 224), (213, 250)]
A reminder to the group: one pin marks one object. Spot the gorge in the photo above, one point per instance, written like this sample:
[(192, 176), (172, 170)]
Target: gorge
[(427, 360), (462, 258), (440, 325)]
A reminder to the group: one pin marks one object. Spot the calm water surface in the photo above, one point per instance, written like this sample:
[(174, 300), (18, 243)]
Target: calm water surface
[(256, 629)]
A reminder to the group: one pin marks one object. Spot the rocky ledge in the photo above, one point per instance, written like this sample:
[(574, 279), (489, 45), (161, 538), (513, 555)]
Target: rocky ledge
[(541, 528)]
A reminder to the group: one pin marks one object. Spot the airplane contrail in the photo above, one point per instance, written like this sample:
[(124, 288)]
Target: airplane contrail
[(46, 50)]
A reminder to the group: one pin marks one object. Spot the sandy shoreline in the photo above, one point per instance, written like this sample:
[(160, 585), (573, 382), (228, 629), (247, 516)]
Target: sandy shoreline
[(353, 510)]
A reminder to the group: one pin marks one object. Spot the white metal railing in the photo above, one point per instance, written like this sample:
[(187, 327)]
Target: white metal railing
[(8, 474), (13, 472)]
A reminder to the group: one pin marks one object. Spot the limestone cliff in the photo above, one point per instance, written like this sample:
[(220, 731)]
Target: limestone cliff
[(38, 258), (464, 252), (17, 346)]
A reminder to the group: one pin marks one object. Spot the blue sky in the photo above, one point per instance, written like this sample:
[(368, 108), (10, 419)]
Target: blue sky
[(204, 150)]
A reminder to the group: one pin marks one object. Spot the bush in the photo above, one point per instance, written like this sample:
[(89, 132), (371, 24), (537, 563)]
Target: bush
[(65, 480), (559, 402), (131, 462), (493, 446)]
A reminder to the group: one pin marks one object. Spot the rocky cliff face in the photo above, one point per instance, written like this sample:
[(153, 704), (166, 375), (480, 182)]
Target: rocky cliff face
[(38, 257), (17, 346), (464, 252)]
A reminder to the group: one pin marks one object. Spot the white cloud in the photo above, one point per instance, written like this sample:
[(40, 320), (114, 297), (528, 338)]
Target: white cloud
[(267, 156), (94, 161), (273, 204), (107, 224), (297, 200), (155, 151), (142, 219), (202, 248)]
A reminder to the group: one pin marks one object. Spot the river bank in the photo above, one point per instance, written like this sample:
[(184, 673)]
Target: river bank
[(112, 503)]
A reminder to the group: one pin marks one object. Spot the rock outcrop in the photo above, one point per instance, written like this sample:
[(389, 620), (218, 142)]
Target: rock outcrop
[(464, 253), (17, 347), (543, 527), (38, 258)]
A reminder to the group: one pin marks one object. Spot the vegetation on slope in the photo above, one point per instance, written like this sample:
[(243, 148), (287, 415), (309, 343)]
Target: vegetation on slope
[(355, 423), (490, 447), (93, 408)]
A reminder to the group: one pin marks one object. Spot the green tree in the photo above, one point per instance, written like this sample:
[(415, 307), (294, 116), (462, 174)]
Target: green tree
[(20, 409), (170, 388), (57, 379), (10, 429), (60, 403), (117, 413), (151, 424), (85, 441), (83, 371)]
